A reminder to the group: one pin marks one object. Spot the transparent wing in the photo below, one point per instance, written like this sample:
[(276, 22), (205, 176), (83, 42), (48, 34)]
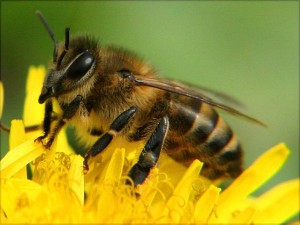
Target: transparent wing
[(214, 94), (181, 89)]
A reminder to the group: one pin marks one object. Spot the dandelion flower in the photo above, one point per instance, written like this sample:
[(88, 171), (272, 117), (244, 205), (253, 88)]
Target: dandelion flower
[(59, 193)]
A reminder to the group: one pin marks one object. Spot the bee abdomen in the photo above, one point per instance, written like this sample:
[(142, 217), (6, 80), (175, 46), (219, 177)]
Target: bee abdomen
[(227, 163), (221, 150), (205, 136), (194, 120), (213, 143)]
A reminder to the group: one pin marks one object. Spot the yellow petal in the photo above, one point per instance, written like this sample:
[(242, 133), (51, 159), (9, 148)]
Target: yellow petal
[(1, 98), (19, 157), (278, 204), (180, 196), (183, 188), (206, 204), (244, 217), (17, 134), (115, 166), (17, 193), (33, 111), (149, 189), (252, 178), (17, 137), (98, 164), (167, 165), (112, 176), (3, 217), (76, 177)]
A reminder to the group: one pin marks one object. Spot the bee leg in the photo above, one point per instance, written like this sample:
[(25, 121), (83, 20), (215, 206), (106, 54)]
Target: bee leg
[(46, 124), (117, 125), (53, 134), (68, 113), (150, 154), (47, 121)]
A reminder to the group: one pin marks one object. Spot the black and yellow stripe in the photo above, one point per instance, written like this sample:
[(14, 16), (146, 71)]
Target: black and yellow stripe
[(197, 131)]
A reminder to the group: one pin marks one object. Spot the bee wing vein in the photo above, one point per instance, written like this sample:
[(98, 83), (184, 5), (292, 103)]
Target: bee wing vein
[(181, 90)]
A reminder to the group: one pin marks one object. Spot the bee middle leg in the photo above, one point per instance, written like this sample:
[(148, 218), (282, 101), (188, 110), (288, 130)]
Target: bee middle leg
[(117, 125)]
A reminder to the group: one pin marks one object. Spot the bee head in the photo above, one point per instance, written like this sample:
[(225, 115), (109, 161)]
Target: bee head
[(73, 63)]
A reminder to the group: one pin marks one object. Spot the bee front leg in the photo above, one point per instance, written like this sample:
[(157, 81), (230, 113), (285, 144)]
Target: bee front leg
[(68, 113), (150, 153), (47, 121), (117, 125)]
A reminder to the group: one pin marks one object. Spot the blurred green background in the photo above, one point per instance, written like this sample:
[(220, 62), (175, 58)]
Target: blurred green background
[(246, 49)]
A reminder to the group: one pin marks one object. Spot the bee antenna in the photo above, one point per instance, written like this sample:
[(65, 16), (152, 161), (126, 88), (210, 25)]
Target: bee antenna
[(50, 32), (67, 38), (4, 128)]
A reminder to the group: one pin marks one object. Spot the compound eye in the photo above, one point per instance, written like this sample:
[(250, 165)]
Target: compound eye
[(81, 65)]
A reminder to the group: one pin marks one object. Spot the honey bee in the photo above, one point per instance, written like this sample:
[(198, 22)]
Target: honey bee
[(106, 92)]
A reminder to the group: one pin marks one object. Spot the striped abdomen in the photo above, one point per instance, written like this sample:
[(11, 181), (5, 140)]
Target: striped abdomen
[(198, 132)]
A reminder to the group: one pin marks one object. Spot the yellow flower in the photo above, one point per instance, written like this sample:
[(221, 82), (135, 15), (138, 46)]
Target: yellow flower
[(59, 193)]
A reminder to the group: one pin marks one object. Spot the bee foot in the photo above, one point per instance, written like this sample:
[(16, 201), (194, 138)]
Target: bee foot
[(85, 166), (85, 169), (48, 145), (39, 139)]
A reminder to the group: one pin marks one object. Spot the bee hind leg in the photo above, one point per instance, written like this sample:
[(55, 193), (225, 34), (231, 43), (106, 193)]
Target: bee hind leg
[(150, 153), (117, 125)]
